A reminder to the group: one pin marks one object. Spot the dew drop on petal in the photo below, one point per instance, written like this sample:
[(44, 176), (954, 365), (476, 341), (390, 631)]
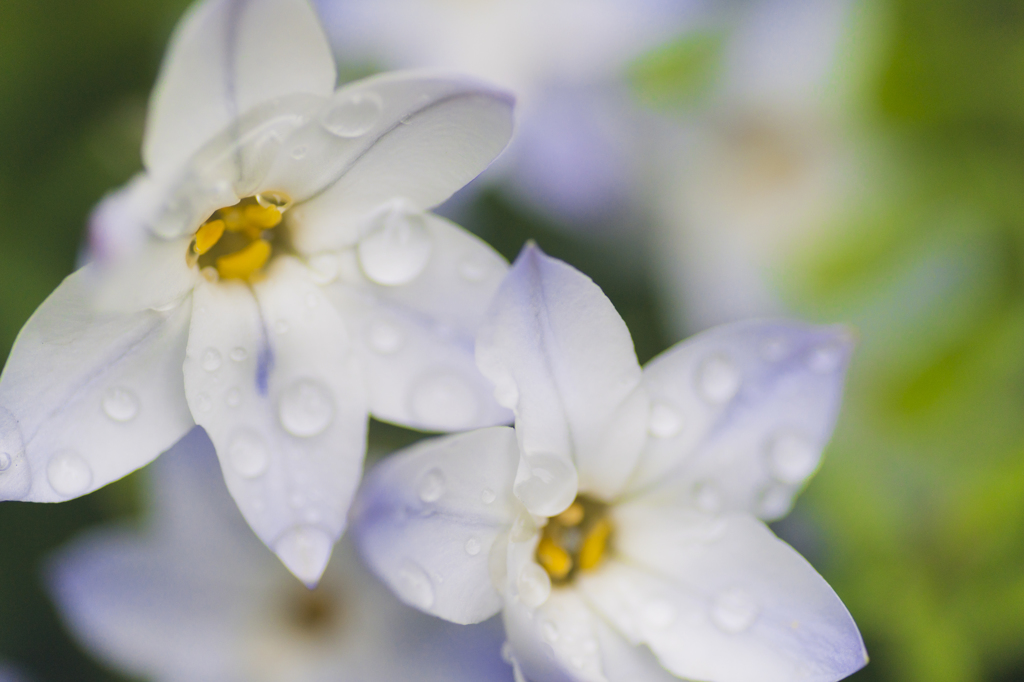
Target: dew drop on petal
[(210, 274), (522, 529), (825, 359), (306, 408), (506, 393), (432, 486), (445, 401), (665, 421), (791, 457), (323, 268), (238, 354), (577, 661), (281, 326), (472, 270), (5, 461), (775, 502), (203, 402), (550, 631), (384, 337), (299, 152), (718, 380), (353, 114), (507, 652), (414, 585), (774, 349), (68, 473), (398, 249), (120, 404), (233, 397), (487, 496), (734, 611), (534, 585), (211, 360), (248, 454), (472, 547), (708, 497), (660, 614), (550, 476), (305, 550)]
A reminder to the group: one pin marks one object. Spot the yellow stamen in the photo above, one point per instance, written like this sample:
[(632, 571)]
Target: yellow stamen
[(592, 550), (243, 264), (208, 235), (555, 560), (265, 218), (572, 516), (234, 218)]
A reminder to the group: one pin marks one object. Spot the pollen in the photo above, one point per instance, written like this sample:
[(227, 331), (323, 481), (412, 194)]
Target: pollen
[(238, 241), (577, 540)]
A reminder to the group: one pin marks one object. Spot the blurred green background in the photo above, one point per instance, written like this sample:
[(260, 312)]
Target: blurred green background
[(917, 516)]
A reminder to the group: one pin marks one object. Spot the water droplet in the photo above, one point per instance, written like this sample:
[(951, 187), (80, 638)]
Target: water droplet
[(305, 550), (472, 547), (660, 614), (791, 457), (550, 631), (238, 354), (577, 661), (522, 529), (233, 398), (665, 421), (718, 380), (488, 496), (550, 480), (210, 274), (506, 393), (5, 461), (774, 502), (276, 199), (414, 586), (774, 349), (353, 114), (445, 402), (299, 152), (68, 473), (397, 249), (534, 585), (507, 652), (306, 408), (323, 268), (708, 497), (826, 359), (211, 360), (432, 486), (120, 404), (248, 454), (384, 337), (472, 270), (734, 611), (281, 326), (203, 402)]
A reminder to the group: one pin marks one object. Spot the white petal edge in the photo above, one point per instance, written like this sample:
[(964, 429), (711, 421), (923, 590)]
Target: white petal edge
[(562, 359), (428, 518), (87, 398), (271, 379), (225, 57)]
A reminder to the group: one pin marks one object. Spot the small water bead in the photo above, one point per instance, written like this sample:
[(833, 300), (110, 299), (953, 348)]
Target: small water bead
[(238, 354), (210, 274), (551, 478), (5, 461), (353, 114), (791, 457), (281, 327), (212, 360), (248, 454), (775, 502), (660, 614), (398, 249), (550, 631), (774, 349), (734, 611), (577, 661), (665, 421), (233, 398), (299, 152), (305, 551), (414, 585), (826, 359), (444, 401), (306, 408), (534, 585), (68, 473), (323, 268), (472, 270), (203, 402), (473, 547), (718, 380), (506, 393), (507, 652), (120, 404), (708, 497), (432, 486), (384, 338), (487, 496)]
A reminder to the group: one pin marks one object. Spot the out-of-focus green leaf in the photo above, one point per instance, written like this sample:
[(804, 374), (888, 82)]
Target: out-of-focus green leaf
[(680, 72)]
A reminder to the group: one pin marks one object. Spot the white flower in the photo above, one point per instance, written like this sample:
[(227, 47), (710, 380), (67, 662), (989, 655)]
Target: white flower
[(277, 251), (619, 526), (196, 597), (575, 146)]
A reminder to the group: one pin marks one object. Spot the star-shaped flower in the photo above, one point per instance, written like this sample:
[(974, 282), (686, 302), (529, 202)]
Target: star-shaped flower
[(272, 277), (155, 605), (619, 526)]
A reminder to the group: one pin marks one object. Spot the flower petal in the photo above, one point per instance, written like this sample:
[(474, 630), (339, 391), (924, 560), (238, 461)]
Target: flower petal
[(562, 359), (427, 518), (722, 599), (408, 135), (86, 398), (741, 413), (225, 57), (415, 337), (271, 380)]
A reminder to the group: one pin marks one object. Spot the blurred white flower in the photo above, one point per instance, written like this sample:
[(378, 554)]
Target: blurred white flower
[(755, 175), (622, 517), (574, 148), (196, 597), (11, 674), (278, 251)]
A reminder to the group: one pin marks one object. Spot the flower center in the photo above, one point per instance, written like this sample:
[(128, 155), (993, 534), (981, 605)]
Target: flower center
[(313, 612), (238, 241), (575, 540)]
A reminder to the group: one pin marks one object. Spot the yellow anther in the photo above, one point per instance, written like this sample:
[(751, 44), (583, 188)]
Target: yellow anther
[(555, 560), (594, 544), (264, 218), (234, 218), (572, 516), (208, 235), (245, 263)]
